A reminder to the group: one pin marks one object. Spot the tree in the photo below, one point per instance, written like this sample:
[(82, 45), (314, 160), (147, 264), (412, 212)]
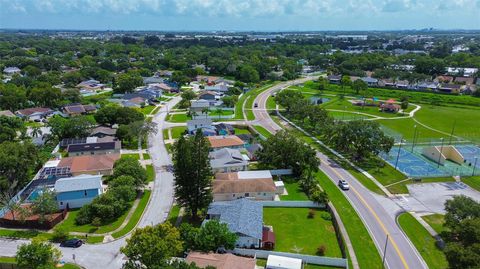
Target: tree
[(129, 166), (36, 131), (345, 81), (13, 206), (47, 97), (72, 95), (230, 101), (152, 246), (359, 85), (213, 235), (142, 129), (37, 255), (45, 204), (288, 98), (127, 82), (404, 102), (322, 83), (73, 127), (219, 112), (284, 150), (187, 96), (9, 126), (460, 208), (248, 74), (192, 173), (12, 97), (12, 156)]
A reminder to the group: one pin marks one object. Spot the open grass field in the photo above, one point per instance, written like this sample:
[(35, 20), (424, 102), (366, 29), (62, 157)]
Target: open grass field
[(165, 134), (271, 103), (27, 234), (294, 191), (137, 214), (241, 131), (295, 231), (423, 241), (405, 128), (146, 156), (181, 117), (177, 131), (344, 104), (473, 182), (264, 132), (150, 173), (147, 109), (436, 221), (132, 155)]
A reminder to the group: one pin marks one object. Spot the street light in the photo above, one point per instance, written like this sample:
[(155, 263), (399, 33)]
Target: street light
[(440, 155), (398, 154), (385, 252), (414, 136), (474, 166)]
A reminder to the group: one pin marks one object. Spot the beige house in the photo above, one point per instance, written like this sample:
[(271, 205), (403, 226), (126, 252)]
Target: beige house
[(256, 185), (90, 164)]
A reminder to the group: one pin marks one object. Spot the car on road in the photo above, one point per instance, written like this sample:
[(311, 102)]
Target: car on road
[(72, 243), (343, 185), (255, 105)]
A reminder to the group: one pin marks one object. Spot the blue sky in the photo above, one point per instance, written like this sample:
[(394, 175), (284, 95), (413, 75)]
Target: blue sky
[(260, 15)]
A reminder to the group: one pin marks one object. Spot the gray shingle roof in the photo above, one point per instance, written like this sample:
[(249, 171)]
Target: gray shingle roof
[(226, 157), (242, 216), (78, 183)]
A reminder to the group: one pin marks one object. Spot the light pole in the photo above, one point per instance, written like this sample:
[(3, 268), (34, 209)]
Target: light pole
[(474, 166), (440, 155), (451, 134), (414, 136), (385, 252), (398, 154)]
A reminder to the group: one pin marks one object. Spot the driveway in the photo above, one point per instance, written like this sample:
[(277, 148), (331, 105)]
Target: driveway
[(431, 197)]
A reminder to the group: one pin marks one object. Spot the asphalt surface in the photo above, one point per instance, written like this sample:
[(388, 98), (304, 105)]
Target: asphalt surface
[(400, 253), (107, 255)]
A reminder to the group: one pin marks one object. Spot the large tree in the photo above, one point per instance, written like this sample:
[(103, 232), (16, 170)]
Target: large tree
[(9, 126), (192, 173), (129, 166), (18, 162), (127, 82), (37, 255), (73, 127), (359, 86), (152, 246), (45, 204), (209, 237)]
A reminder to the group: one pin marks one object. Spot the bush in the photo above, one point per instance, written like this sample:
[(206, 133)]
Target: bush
[(325, 215), (321, 250), (59, 235), (311, 214)]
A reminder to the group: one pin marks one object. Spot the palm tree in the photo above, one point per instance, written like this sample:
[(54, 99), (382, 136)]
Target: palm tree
[(142, 129), (219, 112), (205, 111), (36, 131)]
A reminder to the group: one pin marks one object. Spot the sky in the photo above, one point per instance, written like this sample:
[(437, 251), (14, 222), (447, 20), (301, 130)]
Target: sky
[(240, 15)]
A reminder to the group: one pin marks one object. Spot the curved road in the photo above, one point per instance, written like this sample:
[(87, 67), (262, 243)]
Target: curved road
[(107, 255), (379, 222)]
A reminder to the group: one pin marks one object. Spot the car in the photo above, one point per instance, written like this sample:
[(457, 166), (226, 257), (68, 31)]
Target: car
[(343, 185), (255, 105), (72, 243)]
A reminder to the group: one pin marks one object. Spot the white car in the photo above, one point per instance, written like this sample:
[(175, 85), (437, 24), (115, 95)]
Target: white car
[(343, 185)]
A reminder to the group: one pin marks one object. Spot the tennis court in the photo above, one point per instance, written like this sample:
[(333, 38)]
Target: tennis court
[(411, 164), (469, 153)]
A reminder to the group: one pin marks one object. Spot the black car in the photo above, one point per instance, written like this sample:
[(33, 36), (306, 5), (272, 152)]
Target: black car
[(255, 105), (72, 243), (343, 185)]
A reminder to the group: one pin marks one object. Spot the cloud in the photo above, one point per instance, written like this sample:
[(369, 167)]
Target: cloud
[(396, 5)]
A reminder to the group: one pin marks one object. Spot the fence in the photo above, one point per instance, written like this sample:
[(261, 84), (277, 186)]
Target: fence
[(50, 222), (309, 259), (336, 227), (8, 266), (298, 204)]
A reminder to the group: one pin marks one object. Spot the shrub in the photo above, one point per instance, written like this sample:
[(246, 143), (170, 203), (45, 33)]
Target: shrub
[(59, 235), (97, 222), (325, 215), (321, 250), (311, 214)]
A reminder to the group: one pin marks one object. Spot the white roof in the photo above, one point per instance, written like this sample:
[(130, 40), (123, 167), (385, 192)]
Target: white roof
[(279, 183), (78, 183), (280, 262), (254, 174), (52, 163), (92, 139)]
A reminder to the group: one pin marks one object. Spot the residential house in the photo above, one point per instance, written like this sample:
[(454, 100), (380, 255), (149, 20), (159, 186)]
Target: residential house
[(449, 88), (402, 84), (97, 148), (91, 85), (247, 138), (75, 192), (163, 87), (135, 102), (465, 80), (334, 79), (208, 95), (146, 95), (78, 109), (6, 113), (64, 143), (152, 80), (164, 73), (12, 70), (224, 129), (370, 81), (227, 160), (444, 79), (281, 262), (210, 80), (90, 164), (198, 107), (243, 217), (220, 88), (386, 83), (427, 85), (103, 131), (256, 185), (34, 113), (221, 261), (228, 141), (467, 72), (205, 124)]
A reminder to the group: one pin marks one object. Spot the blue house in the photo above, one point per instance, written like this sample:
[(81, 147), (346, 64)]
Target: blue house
[(74, 192)]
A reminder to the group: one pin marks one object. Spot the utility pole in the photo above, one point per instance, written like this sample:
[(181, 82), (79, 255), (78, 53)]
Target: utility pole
[(451, 134), (398, 154), (385, 252), (440, 155)]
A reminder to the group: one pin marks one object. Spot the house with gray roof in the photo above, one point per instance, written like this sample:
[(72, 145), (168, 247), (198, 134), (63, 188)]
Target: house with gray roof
[(370, 81), (227, 160), (74, 192), (243, 217), (204, 124)]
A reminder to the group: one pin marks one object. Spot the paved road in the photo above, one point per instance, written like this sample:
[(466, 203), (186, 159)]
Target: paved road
[(108, 256), (380, 223)]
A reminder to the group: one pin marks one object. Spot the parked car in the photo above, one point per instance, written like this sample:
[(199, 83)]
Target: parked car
[(72, 243), (343, 185), (255, 105)]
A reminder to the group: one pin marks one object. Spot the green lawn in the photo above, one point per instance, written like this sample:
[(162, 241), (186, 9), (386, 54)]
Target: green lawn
[(177, 131), (402, 186), (344, 104), (473, 182), (165, 134), (423, 241), (90, 239), (137, 214), (264, 132), (147, 109), (28, 234), (436, 221), (173, 214), (295, 231), (146, 156), (406, 127), (136, 156), (241, 131), (271, 105), (183, 117), (150, 173), (294, 191), (12, 260), (386, 175), (214, 113)]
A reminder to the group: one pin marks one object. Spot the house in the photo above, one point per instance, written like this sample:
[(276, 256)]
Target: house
[(228, 141), (78, 109), (427, 85), (164, 87), (402, 84), (144, 95), (444, 79), (210, 80), (97, 148), (389, 107), (227, 160), (281, 262), (103, 131), (386, 83), (465, 80), (243, 217), (334, 79), (11, 70), (134, 102), (6, 113), (256, 185), (205, 124), (34, 114), (90, 164), (208, 95), (252, 151), (220, 88), (152, 80), (74, 192), (64, 143), (467, 72), (164, 73), (370, 81), (198, 107), (224, 129), (92, 85), (221, 261), (450, 88)]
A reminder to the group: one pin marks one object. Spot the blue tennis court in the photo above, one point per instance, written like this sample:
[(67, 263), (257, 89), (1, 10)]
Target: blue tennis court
[(469, 152), (412, 165)]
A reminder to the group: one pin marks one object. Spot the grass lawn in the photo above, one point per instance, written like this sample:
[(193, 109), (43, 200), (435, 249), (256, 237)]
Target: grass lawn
[(423, 241), (90, 239), (214, 113), (178, 131), (12, 260), (137, 214), (271, 103), (28, 234), (173, 214), (183, 117), (70, 226), (165, 134), (239, 107), (406, 128), (402, 186), (473, 182), (264, 132), (136, 156), (169, 147), (241, 131), (146, 156), (344, 104), (295, 231), (436, 221), (150, 173), (147, 109), (294, 192), (386, 175)]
